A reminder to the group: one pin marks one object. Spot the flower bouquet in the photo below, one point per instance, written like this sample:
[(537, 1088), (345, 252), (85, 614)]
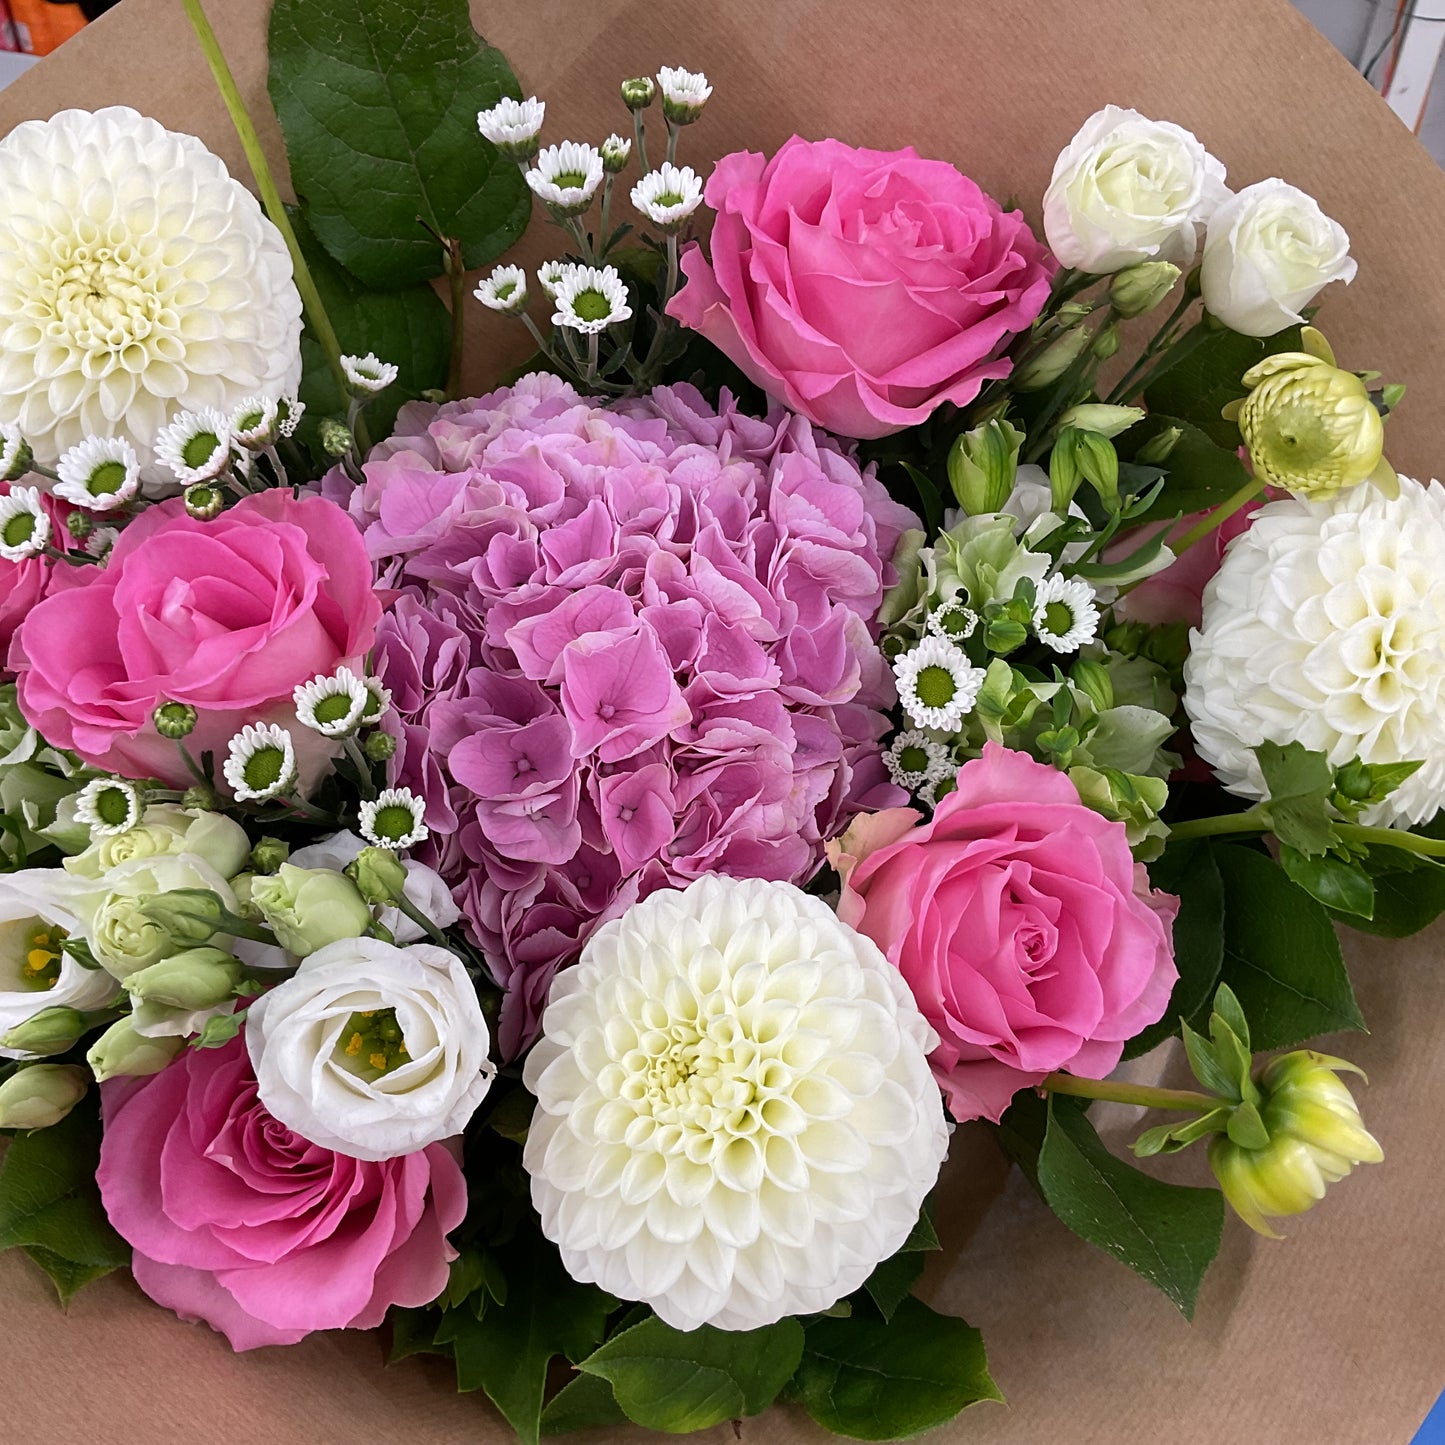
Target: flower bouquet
[(552, 873)]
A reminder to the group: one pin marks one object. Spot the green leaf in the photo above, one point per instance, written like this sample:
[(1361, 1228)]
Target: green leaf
[(1281, 956), (378, 101), (1246, 1127), (1342, 886), (409, 328), (49, 1200), (1405, 902), (413, 1332), (1168, 1233), (1300, 783), (1171, 1138), (68, 1277), (1189, 872), (667, 1379), (1207, 1066), (893, 1280), (1200, 473), (874, 1379), (928, 498), (585, 1402)]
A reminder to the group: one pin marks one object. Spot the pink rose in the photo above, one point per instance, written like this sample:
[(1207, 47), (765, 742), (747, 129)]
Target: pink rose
[(1025, 929), (862, 288), (236, 1221), (227, 615)]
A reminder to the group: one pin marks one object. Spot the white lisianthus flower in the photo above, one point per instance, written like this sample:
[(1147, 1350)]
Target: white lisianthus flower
[(1325, 625), (137, 279), (1268, 252), (99, 474), (1129, 189), (735, 1117), (38, 912), (372, 1050)]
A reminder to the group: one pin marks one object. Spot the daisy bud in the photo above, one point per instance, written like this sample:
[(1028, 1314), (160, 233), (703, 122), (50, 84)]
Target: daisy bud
[(200, 798), (203, 501), (269, 854), (336, 437), (513, 126), (1138, 289), (120, 1052), (684, 93), (379, 747), (637, 94), (367, 376), (80, 525), (616, 152), (15, 453), (51, 1031), (198, 978), (174, 719), (41, 1095)]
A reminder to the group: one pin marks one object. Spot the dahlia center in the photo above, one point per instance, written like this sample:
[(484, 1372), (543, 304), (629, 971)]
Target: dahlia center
[(104, 301), (372, 1044), (591, 305), (33, 952), (936, 686)]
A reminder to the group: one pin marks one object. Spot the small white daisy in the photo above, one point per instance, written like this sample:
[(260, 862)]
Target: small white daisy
[(289, 411), (99, 474), (550, 274), (567, 176), (589, 299), (394, 820), (1065, 617), (24, 526), (616, 152), (196, 446), (108, 806), (954, 620), (332, 706), (505, 290), (513, 126), (378, 699), (930, 793), (368, 375), (668, 195), (684, 93), (100, 542), (937, 684), (256, 423), (262, 762), (15, 453), (914, 760)]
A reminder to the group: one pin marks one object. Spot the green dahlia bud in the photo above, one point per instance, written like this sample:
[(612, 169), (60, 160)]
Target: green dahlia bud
[(1139, 289), (51, 1031), (204, 501), (41, 1095), (639, 93), (174, 719), (199, 978), (120, 1052), (982, 465), (378, 873)]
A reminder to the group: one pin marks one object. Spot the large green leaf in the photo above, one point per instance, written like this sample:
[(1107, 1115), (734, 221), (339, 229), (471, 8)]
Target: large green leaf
[(585, 1402), (378, 100), (1200, 473), (678, 1381), (875, 1379), (1281, 956), (1168, 1233)]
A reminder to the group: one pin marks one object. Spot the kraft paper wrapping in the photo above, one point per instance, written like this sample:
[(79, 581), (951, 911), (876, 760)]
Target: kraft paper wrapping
[(1336, 1337)]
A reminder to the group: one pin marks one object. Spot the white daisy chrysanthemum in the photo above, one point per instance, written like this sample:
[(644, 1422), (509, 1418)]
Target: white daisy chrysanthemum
[(1325, 625), (550, 274), (735, 1117), (24, 525), (616, 152), (914, 760), (332, 706), (396, 820), (100, 542), (954, 620), (15, 453), (684, 93), (378, 699), (256, 423), (513, 126), (1065, 617), (505, 290), (261, 762), (196, 446), (567, 176), (108, 807), (368, 375), (590, 299), (166, 289), (99, 474), (937, 684), (290, 410), (668, 195)]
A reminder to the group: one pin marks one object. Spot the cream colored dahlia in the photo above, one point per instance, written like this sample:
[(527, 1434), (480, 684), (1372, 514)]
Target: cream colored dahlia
[(735, 1118), (137, 280), (1326, 624)]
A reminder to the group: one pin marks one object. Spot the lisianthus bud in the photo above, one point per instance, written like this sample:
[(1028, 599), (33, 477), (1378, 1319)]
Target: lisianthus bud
[(638, 94), (1051, 363), (41, 1095), (120, 1052), (1107, 342), (1106, 421), (199, 978), (51, 1031), (1316, 1137), (308, 908), (1093, 680), (1156, 451), (189, 916), (269, 854), (982, 465), (174, 719), (378, 873), (1139, 289)]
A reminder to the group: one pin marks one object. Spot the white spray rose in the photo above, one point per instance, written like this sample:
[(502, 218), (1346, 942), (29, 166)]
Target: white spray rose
[(1269, 251), (163, 831), (372, 1050), (1129, 189)]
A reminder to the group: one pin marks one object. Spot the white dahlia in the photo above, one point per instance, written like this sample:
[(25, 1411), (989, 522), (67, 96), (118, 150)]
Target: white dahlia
[(735, 1117), (1326, 625), (137, 279)]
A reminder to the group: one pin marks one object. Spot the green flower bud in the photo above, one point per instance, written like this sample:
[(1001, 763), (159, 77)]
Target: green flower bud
[(120, 1052), (336, 437), (638, 94), (1355, 781), (80, 524), (1140, 288), (204, 501), (1156, 451), (379, 747), (1093, 680), (41, 1095), (1055, 359), (378, 873), (1107, 343), (174, 719), (51, 1031), (245, 906), (982, 464), (201, 797), (308, 908), (1315, 1138), (616, 152), (1102, 420), (269, 854), (188, 916), (199, 978)]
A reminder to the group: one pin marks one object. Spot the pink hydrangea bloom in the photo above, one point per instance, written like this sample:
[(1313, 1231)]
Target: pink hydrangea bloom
[(628, 646)]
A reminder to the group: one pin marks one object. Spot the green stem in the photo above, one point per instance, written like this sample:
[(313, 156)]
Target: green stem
[(404, 905), (1115, 1092), (672, 132), (1253, 821), (1221, 514), (639, 134), (265, 183), (1390, 838), (1065, 388), (602, 232), (457, 281), (363, 767), (1158, 343)]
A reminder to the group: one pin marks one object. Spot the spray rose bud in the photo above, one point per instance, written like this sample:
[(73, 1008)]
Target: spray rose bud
[(42, 1095), (51, 1031), (188, 916), (378, 873), (199, 978), (1139, 289), (1316, 1137), (120, 1052), (982, 465), (1055, 359), (308, 908), (638, 94)]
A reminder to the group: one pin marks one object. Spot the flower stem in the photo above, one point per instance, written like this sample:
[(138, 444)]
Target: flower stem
[(266, 183), (639, 133), (404, 905), (1391, 838), (672, 133), (602, 232), (457, 281), (1116, 1092), (363, 767), (1221, 514), (1158, 343), (1252, 821)]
